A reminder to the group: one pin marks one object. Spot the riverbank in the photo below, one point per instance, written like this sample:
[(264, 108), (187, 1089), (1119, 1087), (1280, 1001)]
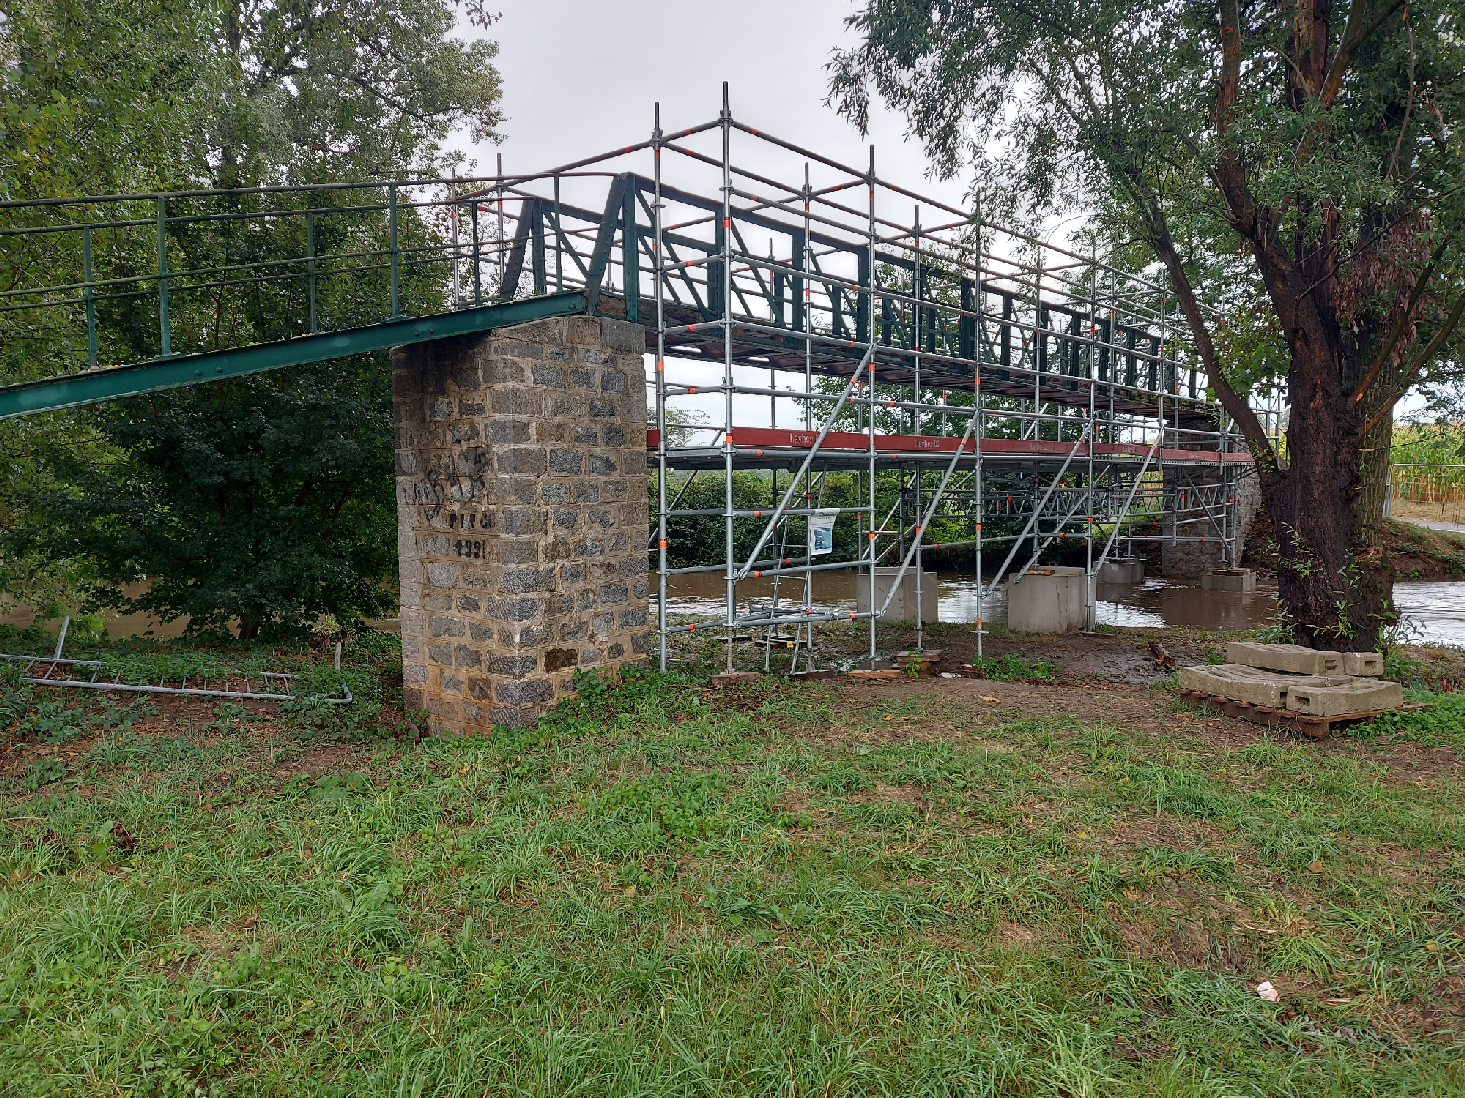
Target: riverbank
[(1059, 879), (1416, 552)]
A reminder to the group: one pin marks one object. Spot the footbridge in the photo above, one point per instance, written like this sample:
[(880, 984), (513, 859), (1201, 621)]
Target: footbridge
[(781, 312)]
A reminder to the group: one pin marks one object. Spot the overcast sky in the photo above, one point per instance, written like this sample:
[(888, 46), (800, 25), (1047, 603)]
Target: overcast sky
[(582, 76)]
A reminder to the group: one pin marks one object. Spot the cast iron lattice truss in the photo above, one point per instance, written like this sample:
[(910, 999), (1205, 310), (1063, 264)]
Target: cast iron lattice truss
[(999, 380)]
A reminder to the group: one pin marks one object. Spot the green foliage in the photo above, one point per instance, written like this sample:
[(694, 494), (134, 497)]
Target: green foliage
[(1012, 667), (1442, 724), (267, 500), (43, 772)]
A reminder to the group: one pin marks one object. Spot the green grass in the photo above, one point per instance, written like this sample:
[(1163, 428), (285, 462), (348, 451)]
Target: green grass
[(779, 890), (1010, 667)]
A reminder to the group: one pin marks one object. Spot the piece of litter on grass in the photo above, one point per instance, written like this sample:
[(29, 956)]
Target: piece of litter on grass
[(1317, 866), (987, 699), (948, 674), (1267, 991)]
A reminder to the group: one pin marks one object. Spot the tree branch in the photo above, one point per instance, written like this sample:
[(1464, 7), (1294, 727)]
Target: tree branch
[(1388, 348), (1408, 103), (1230, 64), (1164, 245), (1353, 37), (1418, 364)]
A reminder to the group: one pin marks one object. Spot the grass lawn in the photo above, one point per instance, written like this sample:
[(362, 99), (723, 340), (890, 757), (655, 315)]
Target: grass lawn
[(1066, 887)]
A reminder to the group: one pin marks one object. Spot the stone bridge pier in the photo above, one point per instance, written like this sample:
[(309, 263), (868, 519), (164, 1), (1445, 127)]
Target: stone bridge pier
[(522, 516)]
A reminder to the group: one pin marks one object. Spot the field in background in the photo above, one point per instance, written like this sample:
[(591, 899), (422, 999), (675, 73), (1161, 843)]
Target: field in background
[(1428, 472)]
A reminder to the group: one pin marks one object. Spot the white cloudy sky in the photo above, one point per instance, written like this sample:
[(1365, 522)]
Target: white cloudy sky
[(583, 76)]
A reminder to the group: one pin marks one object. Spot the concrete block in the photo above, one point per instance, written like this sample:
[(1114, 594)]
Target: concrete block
[(1048, 600), (1363, 663), (1122, 570), (1338, 695), (1237, 682), (903, 605), (1293, 658), (1242, 580)]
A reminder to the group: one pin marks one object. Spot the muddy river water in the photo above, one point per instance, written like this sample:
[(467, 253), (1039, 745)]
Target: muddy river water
[(1434, 612)]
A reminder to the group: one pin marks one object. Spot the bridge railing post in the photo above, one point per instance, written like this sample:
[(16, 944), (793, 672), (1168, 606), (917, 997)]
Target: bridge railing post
[(310, 263), (631, 254), (392, 229), (167, 343), (89, 293), (477, 257)]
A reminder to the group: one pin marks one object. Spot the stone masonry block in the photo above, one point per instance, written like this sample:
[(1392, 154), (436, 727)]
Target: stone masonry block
[(511, 401), (520, 458), (519, 693), (442, 575), (1284, 657), (515, 667)]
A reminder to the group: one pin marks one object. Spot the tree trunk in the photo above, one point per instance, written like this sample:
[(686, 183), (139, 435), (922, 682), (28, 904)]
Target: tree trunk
[(1332, 576), (250, 623), (1369, 538)]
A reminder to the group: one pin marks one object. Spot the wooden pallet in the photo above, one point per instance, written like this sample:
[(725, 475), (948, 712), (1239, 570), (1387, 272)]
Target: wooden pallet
[(1305, 723)]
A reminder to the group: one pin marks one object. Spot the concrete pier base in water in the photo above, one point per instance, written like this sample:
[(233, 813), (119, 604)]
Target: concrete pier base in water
[(1048, 600), (903, 604)]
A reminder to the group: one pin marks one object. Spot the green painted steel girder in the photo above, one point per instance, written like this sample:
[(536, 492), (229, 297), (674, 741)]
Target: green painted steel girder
[(93, 387)]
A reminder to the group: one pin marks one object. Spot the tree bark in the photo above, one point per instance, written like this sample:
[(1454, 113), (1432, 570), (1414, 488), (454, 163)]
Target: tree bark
[(1334, 584)]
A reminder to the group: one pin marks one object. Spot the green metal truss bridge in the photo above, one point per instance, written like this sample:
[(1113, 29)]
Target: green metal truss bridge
[(839, 321), (120, 295)]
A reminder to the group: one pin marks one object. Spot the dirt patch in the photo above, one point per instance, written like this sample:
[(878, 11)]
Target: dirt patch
[(327, 758), (1137, 832), (1093, 685), (1104, 657), (1016, 936)]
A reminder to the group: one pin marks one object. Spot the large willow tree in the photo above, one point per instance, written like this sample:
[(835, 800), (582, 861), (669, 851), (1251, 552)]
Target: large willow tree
[(1298, 169)]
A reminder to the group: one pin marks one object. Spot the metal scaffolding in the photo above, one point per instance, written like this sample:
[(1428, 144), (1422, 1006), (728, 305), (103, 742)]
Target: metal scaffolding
[(882, 364), (1009, 393)]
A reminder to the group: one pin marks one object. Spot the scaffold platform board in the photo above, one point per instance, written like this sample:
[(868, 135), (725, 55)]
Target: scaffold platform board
[(764, 447)]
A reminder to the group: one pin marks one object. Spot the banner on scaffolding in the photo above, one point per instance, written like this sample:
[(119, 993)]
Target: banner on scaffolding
[(821, 531)]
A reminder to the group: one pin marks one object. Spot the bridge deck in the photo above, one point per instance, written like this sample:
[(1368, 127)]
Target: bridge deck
[(774, 448)]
